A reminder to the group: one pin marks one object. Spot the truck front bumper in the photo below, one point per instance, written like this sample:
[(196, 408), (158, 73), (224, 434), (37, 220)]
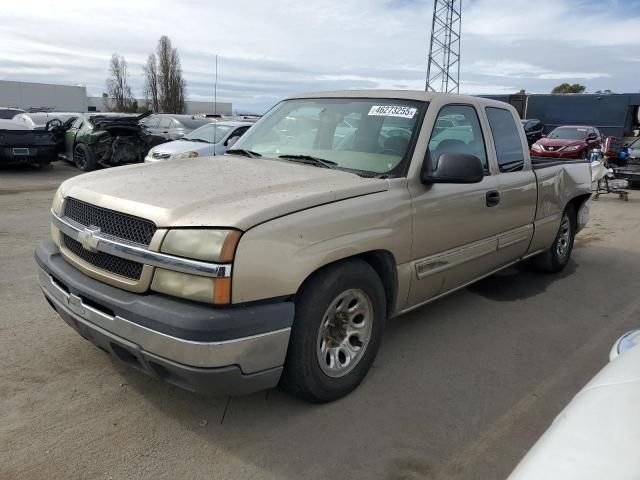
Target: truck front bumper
[(197, 347)]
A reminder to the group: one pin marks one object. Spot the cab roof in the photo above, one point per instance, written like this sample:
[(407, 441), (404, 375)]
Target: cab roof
[(418, 95)]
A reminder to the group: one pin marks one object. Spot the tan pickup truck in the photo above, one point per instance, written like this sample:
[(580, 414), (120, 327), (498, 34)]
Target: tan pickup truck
[(280, 262)]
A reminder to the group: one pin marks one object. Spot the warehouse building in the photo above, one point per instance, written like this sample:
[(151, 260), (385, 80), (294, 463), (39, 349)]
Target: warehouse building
[(616, 114), (69, 98), (99, 104), (43, 96)]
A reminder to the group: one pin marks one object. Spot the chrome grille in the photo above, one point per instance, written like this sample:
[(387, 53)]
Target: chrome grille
[(160, 156), (116, 265), (116, 224)]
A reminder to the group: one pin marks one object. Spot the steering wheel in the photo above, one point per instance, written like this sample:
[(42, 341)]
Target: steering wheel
[(53, 124)]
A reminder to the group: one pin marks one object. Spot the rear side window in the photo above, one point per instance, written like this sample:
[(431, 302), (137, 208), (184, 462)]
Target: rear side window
[(506, 139)]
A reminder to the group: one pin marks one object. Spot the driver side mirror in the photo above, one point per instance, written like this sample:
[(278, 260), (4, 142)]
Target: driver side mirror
[(592, 136), (452, 168)]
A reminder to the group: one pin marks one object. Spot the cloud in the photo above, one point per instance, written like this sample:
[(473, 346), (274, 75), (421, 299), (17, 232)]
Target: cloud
[(520, 70), (268, 50)]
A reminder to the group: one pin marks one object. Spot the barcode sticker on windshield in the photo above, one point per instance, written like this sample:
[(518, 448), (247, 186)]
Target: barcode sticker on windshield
[(392, 111)]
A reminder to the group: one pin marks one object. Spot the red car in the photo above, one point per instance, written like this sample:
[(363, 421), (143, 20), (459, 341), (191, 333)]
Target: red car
[(568, 142)]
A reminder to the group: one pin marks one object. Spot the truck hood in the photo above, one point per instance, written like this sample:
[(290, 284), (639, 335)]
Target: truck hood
[(223, 191)]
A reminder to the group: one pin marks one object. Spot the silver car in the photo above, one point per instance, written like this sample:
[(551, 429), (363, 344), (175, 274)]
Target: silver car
[(208, 140), (174, 127)]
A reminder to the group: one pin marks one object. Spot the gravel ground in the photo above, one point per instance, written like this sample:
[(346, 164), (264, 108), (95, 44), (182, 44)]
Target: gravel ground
[(461, 388)]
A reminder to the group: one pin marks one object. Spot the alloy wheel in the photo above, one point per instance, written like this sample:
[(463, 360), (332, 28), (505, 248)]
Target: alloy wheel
[(344, 333), (564, 237)]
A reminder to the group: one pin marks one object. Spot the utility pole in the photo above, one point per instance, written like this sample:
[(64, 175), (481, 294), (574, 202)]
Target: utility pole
[(443, 69)]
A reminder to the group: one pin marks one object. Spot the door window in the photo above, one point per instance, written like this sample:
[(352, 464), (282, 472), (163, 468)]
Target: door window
[(165, 123), (152, 122), (235, 135), (506, 139), (457, 130)]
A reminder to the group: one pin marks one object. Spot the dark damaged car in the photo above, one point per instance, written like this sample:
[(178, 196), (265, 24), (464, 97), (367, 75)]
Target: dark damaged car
[(106, 140), (21, 144)]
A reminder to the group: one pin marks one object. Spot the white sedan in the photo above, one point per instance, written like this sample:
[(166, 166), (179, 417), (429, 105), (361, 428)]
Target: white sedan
[(597, 435), (208, 140)]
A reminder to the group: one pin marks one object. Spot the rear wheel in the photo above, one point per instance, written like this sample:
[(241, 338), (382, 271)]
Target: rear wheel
[(83, 158), (340, 316), (557, 257)]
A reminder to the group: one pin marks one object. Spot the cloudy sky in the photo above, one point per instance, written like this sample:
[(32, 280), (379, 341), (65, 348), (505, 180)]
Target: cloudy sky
[(270, 49)]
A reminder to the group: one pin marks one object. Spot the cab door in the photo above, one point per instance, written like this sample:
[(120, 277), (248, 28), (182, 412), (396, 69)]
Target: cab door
[(518, 188), (70, 137), (455, 226), (164, 126)]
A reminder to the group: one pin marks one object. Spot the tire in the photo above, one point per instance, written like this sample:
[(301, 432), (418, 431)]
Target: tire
[(83, 158), (556, 258), (331, 347)]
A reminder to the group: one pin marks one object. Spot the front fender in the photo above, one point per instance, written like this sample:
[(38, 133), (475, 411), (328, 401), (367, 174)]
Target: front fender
[(274, 259)]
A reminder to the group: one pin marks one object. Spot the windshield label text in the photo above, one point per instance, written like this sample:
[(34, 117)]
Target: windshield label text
[(392, 111)]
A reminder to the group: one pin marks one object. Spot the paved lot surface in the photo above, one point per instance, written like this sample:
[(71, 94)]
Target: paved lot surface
[(461, 388)]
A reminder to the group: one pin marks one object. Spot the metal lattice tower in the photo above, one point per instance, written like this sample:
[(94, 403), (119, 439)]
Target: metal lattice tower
[(443, 71)]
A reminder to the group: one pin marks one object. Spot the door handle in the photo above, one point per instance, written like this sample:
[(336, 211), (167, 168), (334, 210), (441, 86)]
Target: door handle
[(493, 198)]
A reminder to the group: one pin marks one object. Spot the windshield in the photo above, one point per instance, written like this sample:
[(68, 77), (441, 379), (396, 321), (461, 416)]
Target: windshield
[(565, 133), (364, 135), (210, 133)]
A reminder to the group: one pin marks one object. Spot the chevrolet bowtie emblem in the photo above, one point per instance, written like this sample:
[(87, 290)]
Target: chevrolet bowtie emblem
[(88, 238)]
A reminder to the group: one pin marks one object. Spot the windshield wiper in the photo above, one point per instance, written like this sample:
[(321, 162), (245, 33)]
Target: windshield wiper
[(196, 140), (318, 162), (242, 151)]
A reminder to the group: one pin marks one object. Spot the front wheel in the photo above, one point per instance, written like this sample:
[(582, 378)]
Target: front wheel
[(83, 158), (340, 316), (557, 257)]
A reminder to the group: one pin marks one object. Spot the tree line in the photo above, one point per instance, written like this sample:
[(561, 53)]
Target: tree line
[(164, 87), (569, 88)]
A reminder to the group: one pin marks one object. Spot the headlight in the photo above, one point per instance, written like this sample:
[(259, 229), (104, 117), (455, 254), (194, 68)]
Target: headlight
[(207, 245), (179, 156), (56, 206), (217, 246), (536, 147), (58, 200), (628, 341), (572, 148), (192, 287)]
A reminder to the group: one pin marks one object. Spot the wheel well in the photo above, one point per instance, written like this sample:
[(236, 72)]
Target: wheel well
[(384, 263), (578, 201)]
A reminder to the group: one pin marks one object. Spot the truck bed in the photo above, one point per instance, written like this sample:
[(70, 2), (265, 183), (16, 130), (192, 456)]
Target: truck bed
[(544, 162)]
